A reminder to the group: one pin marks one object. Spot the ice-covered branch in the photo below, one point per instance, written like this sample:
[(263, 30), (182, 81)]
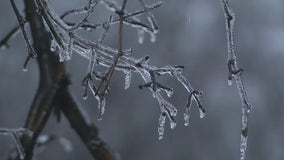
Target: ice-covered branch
[(66, 40), (116, 59), (235, 73)]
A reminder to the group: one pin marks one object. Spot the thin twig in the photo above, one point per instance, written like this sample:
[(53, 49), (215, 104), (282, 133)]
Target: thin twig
[(106, 82), (31, 52), (150, 16), (235, 72), (4, 42)]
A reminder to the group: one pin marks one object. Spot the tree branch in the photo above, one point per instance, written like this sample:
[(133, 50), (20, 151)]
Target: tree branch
[(235, 72), (83, 126), (53, 90)]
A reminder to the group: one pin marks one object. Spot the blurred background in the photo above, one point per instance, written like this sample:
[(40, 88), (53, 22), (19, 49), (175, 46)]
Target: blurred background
[(192, 33)]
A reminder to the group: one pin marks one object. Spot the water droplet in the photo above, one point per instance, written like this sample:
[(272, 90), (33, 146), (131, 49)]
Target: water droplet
[(173, 124), (202, 113), (25, 69), (85, 97), (141, 34), (230, 82), (4, 46), (153, 37)]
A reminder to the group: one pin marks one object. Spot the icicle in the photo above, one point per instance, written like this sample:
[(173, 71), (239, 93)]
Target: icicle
[(201, 113), (53, 45), (186, 116), (150, 17), (172, 123), (243, 147), (101, 106), (188, 87), (25, 69), (161, 127), (127, 80), (230, 82), (169, 92), (171, 108), (187, 111), (166, 107), (249, 108), (92, 61), (69, 49), (62, 55), (144, 74), (164, 104), (140, 34), (153, 37)]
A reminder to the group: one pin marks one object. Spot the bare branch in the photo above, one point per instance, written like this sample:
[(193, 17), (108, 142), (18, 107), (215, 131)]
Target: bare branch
[(83, 126), (4, 42)]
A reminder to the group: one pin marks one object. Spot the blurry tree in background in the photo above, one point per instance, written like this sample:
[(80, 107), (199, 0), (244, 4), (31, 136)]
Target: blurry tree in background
[(57, 34)]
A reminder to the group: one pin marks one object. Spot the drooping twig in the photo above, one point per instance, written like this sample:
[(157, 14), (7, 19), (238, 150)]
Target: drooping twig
[(235, 72)]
